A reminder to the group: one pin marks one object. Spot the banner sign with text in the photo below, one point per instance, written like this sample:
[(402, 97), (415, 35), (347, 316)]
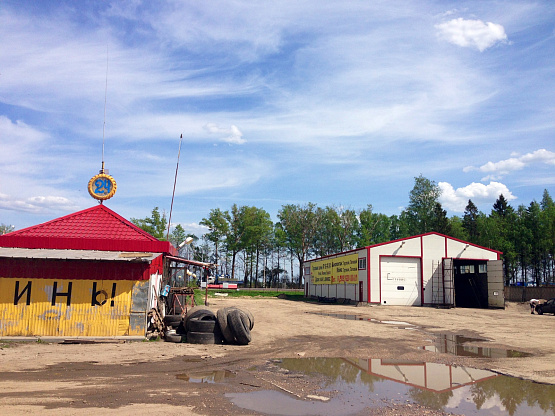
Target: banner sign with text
[(61, 307), (334, 271)]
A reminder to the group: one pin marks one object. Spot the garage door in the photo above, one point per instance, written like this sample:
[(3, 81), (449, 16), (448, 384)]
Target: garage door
[(400, 278)]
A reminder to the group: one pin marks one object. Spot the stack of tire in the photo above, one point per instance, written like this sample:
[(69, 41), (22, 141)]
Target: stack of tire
[(175, 329), (201, 326), (235, 325)]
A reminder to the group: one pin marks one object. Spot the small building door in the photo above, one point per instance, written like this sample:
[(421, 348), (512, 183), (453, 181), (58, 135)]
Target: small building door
[(496, 294), (400, 281)]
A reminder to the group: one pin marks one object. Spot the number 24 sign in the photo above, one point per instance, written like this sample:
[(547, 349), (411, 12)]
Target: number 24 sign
[(102, 186)]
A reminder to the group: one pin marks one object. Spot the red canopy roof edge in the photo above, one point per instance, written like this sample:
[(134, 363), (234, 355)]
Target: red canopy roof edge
[(95, 228)]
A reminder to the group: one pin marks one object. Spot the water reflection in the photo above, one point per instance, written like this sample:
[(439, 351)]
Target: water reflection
[(445, 343), (367, 383), (351, 317), (458, 345), (217, 376)]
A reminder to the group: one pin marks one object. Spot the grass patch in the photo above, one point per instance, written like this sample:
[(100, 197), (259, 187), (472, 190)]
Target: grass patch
[(268, 293), (199, 294)]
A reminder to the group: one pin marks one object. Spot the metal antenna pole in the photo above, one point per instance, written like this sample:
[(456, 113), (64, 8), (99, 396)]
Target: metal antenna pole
[(174, 182), (105, 100)]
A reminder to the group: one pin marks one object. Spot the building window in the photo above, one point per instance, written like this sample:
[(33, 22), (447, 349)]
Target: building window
[(483, 268), (307, 270), (467, 269), (362, 264)]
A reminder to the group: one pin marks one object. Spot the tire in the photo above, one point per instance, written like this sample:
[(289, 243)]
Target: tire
[(539, 310), (171, 336), (173, 320), (197, 312), (201, 337), (239, 324), (224, 327), (218, 337), (205, 324), (180, 329), (250, 316)]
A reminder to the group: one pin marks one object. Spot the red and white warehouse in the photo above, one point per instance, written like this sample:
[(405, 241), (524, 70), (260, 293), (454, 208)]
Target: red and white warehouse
[(424, 270)]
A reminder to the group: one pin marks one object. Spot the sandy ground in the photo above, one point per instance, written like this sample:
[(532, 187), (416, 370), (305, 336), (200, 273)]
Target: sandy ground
[(139, 377)]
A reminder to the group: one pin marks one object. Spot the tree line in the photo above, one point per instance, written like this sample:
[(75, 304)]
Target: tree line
[(247, 245)]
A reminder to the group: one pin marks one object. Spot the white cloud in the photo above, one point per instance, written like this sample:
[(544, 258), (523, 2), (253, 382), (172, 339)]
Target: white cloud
[(472, 33), (354, 90), (193, 228), (233, 134), (37, 204), (496, 170), (457, 199), (24, 150)]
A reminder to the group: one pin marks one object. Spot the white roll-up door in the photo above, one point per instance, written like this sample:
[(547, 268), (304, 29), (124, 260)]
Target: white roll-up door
[(400, 278)]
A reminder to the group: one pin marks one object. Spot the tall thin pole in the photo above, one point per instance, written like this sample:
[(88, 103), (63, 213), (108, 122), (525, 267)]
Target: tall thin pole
[(105, 100), (174, 183)]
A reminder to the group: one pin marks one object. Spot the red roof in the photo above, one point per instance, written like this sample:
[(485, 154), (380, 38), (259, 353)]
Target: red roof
[(96, 228)]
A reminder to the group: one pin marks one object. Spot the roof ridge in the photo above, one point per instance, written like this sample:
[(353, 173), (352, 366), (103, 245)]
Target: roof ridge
[(128, 223), (65, 217), (98, 221)]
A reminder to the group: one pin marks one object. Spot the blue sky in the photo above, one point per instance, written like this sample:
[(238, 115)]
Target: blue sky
[(336, 103)]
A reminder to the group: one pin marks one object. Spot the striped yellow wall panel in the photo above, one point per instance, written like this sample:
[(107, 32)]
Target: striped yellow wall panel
[(49, 307)]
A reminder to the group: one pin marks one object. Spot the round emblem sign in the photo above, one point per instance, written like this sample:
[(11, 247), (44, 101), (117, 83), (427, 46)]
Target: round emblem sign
[(102, 186)]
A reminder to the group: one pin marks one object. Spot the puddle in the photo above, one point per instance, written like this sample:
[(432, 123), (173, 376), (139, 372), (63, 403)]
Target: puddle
[(458, 345), (364, 318), (445, 343), (353, 385), (218, 376)]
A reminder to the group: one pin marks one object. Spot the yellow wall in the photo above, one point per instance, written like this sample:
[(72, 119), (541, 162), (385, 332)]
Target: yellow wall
[(96, 308), (336, 270)]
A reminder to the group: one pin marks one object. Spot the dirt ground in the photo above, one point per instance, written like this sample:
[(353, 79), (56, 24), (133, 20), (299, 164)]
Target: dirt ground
[(139, 377)]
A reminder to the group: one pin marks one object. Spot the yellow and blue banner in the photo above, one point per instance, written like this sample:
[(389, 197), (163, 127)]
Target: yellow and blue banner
[(334, 271)]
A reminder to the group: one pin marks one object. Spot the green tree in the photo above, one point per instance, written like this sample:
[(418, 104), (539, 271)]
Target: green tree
[(326, 239), (470, 223), (440, 222), (178, 235), (155, 225), (218, 229), (299, 224), (501, 207), (457, 228), (5, 229), (234, 239), (399, 226), (280, 248), (523, 244), (547, 221), (336, 232), (503, 221), (348, 227), (422, 201), (374, 228), (257, 236), (536, 242)]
